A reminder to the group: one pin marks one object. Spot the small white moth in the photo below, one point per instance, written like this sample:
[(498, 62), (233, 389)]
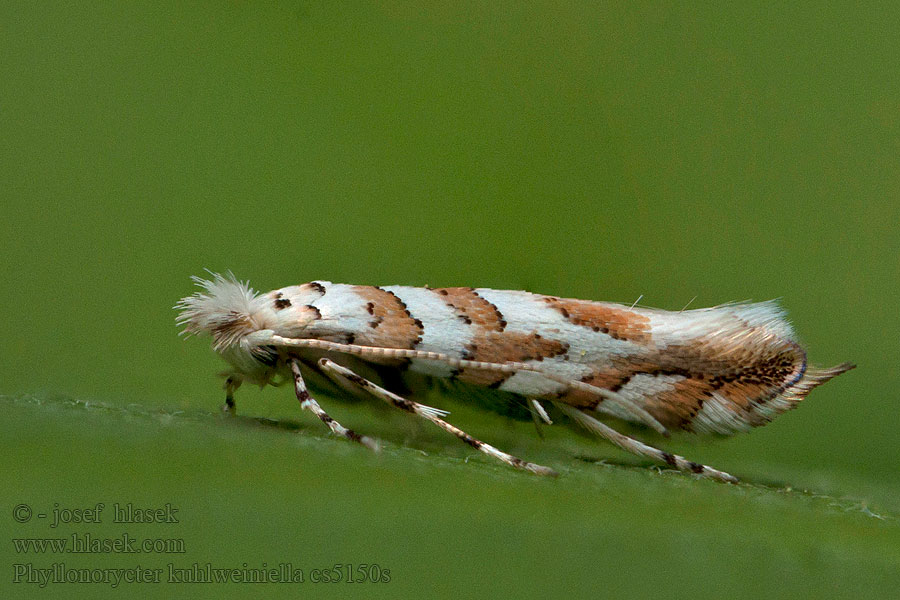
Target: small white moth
[(714, 370)]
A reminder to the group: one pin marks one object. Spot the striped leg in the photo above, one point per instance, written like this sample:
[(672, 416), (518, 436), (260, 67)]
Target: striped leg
[(434, 415), (641, 449), (641, 415), (309, 403)]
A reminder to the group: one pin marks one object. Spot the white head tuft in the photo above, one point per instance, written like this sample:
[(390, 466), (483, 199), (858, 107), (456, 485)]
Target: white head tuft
[(226, 308)]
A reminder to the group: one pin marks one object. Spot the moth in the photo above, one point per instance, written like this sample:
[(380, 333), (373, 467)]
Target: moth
[(717, 370)]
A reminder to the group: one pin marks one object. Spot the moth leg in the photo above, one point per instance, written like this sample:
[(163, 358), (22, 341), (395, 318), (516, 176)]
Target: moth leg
[(309, 403), (641, 449), (268, 337), (538, 416), (539, 411), (432, 414), (231, 384)]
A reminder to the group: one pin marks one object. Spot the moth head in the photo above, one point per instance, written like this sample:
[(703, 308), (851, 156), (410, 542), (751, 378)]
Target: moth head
[(225, 308), (232, 313)]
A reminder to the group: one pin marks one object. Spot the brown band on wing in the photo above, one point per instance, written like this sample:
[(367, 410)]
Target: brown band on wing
[(746, 378), (472, 308), (392, 325), (500, 348), (514, 347), (618, 323), (744, 392), (490, 342), (488, 379), (678, 407)]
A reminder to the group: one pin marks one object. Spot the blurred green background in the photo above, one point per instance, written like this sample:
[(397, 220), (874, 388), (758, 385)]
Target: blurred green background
[(723, 151)]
